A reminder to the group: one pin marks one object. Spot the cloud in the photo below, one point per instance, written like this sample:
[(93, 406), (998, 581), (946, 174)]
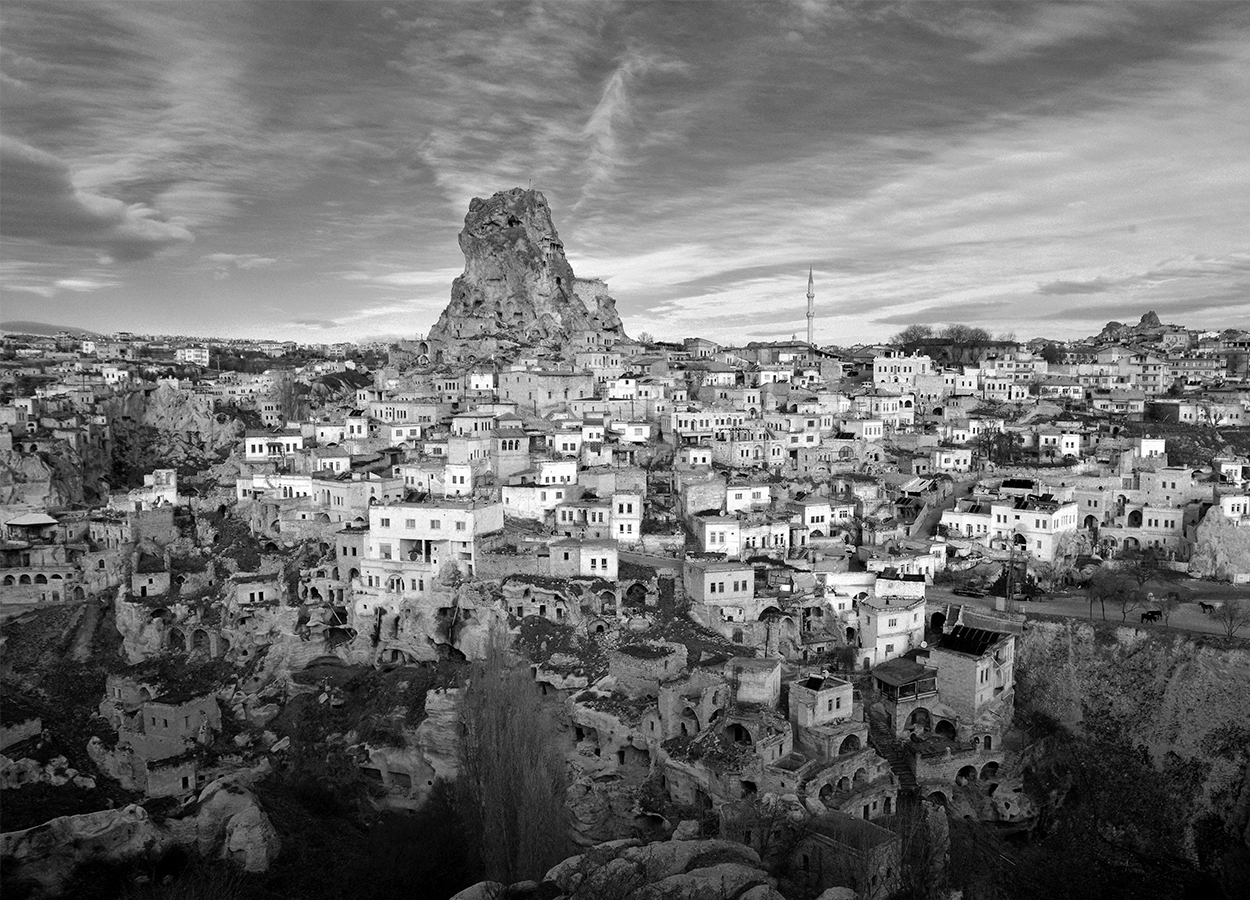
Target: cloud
[(1009, 33), (1097, 286), (614, 114), (42, 204), (83, 285), (223, 262), (437, 278)]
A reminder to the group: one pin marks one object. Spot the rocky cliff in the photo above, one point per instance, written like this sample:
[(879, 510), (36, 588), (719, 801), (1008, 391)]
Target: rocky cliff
[(517, 284), (1186, 704), (225, 823)]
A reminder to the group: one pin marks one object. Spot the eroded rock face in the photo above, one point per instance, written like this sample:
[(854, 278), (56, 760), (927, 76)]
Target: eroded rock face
[(228, 823), (517, 282), (48, 855)]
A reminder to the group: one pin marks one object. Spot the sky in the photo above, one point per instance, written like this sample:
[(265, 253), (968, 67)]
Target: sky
[(300, 170)]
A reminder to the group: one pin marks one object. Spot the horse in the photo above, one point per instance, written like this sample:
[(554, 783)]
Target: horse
[(1153, 615), (1207, 608)]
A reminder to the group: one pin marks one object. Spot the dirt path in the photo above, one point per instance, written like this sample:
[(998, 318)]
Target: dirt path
[(80, 650), (1188, 617)]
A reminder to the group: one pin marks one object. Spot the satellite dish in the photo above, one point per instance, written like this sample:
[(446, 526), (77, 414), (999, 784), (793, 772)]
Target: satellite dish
[(924, 645)]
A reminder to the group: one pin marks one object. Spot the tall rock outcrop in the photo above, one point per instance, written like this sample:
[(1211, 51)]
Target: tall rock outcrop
[(517, 286)]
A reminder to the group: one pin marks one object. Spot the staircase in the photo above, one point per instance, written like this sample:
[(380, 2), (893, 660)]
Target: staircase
[(893, 752)]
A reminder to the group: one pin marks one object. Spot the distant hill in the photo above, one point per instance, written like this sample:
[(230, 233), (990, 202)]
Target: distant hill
[(43, 328)]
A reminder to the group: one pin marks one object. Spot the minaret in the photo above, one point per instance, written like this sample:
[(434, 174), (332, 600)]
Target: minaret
[(811, 312)]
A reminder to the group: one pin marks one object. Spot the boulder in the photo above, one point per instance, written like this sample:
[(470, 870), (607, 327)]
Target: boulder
[(251, 840), (616, 866), (686, 830), (709, 883), (762, 892), (48, 855), (838, 893), (483, 890)]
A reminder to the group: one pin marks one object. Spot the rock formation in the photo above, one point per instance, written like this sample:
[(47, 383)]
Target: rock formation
[(666, 870), (228, 823), (517, 284)]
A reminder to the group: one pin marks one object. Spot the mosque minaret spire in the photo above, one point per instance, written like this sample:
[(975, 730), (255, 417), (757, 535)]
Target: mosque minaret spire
[(811, 311)]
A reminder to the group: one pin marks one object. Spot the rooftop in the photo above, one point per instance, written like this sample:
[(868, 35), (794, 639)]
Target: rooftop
[(972, 641)]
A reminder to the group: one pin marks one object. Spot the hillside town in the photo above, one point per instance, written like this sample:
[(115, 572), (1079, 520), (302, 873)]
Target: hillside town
[(773, 592)]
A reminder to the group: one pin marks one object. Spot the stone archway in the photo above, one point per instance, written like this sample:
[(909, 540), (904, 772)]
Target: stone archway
[(850, 744), (689, 722), (938, 622), (919, 719), (636, 594), (966, 775), (945, 728), (989, 771)]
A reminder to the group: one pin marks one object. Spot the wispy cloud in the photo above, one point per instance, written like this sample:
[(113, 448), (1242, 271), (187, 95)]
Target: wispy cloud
[(931, 161), (42, 204)]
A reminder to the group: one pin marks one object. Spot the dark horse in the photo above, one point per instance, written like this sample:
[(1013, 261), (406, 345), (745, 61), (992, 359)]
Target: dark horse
[(1206, 607), (1152, 616)]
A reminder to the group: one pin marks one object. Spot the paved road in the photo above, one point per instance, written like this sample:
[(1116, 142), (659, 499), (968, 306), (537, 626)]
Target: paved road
[(1188, 617)]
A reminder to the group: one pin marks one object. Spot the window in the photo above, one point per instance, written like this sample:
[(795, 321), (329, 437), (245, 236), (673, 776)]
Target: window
[(410, 523), (893, 622), (889, 648), (460, 526), (385, 523), (436, 524)]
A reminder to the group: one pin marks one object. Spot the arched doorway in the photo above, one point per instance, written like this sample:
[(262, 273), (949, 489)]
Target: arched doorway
[(1134, 519), (850, 635), (946, 729), (938, 622), (937, 797), (689, 722), (739, 734), (849, 745), (1091, 523), (989, 771), (919, 719), (966, 775)]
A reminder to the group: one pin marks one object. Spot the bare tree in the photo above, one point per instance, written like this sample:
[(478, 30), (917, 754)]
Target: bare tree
[(1232, 614), (512, 773), (1109, 586), (287, 394), (912, 333), (963, 334), (1168, 605)]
